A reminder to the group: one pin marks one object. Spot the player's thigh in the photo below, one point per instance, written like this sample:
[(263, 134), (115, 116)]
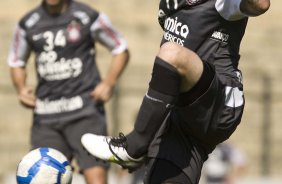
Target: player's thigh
[(96, 124), (214, 116), (43, 135), (188, 63)]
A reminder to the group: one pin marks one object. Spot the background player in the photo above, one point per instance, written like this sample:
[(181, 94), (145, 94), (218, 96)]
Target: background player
[(70, 93), (195, 98), (225, 165)]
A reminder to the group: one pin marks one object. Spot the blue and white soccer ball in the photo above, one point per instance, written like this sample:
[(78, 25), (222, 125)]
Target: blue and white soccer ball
[(44, 166)]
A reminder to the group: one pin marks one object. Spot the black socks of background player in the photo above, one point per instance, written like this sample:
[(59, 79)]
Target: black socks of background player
[(163, 90)]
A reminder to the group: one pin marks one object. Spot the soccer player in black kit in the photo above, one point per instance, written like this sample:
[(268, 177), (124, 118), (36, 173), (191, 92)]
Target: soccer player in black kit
[(70, 92), (195, 97)]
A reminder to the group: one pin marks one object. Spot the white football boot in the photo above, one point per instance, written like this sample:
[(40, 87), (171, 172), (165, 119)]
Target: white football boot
[(112, 149)]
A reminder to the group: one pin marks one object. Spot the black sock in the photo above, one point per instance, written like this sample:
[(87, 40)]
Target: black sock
[(163, 90)]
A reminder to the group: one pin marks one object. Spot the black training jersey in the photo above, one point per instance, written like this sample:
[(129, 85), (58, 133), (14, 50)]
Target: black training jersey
[(64, 47), (206, 27)]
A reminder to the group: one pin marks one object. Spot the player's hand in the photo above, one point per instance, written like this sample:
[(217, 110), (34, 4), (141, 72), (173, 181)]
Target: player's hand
[(103, 92), (26, 97)]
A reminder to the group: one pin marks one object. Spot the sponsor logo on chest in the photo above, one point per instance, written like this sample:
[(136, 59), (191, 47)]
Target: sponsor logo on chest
[(175, 31), (174, 26)]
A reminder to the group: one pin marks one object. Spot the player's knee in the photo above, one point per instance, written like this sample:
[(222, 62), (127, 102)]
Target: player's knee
[(169, 52), (176, 55)]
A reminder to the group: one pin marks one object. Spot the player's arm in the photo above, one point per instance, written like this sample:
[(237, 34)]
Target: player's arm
[(233, 10), (254, 7), (103, 31), (18, 55)]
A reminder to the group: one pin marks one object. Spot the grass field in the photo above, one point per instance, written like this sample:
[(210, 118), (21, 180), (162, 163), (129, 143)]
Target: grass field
[(261, 57)]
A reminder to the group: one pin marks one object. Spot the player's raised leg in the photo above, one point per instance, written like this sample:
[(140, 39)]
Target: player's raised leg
[(173, 72)]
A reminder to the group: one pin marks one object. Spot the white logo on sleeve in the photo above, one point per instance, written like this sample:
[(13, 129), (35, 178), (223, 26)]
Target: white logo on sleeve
[(84, 18), (32, 20)]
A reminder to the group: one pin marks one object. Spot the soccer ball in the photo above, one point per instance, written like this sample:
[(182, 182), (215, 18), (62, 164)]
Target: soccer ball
[(44, 166)]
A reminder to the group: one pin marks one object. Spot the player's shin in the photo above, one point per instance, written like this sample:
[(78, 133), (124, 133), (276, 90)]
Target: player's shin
[(162, 93), (128, 151)]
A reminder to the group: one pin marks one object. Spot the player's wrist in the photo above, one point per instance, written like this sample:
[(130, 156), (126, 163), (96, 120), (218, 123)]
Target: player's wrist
[(21, 89), (110, 82)]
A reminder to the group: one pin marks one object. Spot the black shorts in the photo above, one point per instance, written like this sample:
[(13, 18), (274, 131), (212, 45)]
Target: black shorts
[(66, 136), (164, 172), (191, 131)]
